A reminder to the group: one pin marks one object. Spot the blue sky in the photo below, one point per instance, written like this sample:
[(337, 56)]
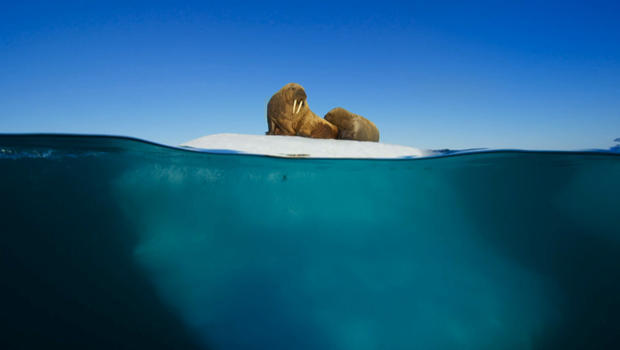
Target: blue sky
[(429, 74)]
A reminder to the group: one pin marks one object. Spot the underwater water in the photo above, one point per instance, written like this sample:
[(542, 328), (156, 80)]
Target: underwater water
[(111, 243)]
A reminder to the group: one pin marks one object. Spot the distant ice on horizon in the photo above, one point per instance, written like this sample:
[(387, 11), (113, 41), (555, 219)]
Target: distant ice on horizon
[(302, 147)]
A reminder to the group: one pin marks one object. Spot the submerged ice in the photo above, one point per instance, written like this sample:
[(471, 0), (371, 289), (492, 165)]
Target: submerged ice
[(328, 255)]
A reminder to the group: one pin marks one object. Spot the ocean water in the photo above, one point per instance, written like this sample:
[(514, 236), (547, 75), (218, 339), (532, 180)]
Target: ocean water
[(114, 243)]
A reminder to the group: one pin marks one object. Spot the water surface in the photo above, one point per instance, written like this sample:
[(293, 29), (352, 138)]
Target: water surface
[(111, 242)]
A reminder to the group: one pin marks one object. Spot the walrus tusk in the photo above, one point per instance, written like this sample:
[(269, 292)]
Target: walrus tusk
[(300, 104), (294, 105)]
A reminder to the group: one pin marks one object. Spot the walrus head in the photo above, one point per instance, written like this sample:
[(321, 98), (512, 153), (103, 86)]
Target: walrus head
[(295, 93), (283, 109)]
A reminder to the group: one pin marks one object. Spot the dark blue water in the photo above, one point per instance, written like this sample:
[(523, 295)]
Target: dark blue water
[(116, 243)]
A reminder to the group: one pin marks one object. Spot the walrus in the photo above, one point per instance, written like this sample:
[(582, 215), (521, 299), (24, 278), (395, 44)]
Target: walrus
[(288, 113), (352, 126)]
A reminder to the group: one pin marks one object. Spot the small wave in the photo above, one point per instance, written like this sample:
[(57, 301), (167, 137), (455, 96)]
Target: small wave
[(8, 153), (16, 154)]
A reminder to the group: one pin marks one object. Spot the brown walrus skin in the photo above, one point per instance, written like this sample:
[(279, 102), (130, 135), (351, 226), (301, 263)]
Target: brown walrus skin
[(288, 114), (352, 126)]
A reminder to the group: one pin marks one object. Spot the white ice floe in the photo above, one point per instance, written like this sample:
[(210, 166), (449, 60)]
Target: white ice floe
[(296, 147)]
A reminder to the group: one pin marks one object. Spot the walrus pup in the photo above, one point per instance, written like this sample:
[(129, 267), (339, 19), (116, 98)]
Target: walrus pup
[(352, 126), (288, 114)]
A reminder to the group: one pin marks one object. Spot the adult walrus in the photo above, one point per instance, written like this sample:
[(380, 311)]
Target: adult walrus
[(288, 114), (352, 126)]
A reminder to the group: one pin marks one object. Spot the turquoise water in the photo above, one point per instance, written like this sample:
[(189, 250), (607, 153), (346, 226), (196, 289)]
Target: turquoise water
[(112, 242)]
